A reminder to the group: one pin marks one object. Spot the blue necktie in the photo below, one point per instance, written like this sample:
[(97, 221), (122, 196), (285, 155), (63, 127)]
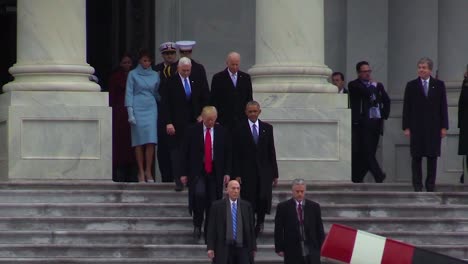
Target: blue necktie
[(188, 91), (234, 220), (426, 87), (255, 133)]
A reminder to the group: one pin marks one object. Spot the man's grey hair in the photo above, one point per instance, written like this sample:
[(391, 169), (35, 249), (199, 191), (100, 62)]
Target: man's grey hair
[(427, 61), (184, 61), (298, 182), (253, 103)]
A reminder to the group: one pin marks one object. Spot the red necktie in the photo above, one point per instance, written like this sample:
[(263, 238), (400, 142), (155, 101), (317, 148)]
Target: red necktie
[(208, 152), (299, 212)]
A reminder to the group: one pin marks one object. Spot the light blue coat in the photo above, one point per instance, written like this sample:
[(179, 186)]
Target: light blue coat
[(142, 95)]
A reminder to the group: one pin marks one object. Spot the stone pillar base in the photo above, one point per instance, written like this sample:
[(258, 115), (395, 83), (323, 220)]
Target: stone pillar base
[(55, 135), (312, 134)]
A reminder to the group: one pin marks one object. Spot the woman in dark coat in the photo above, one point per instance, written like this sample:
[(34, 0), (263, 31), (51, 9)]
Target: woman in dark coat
[(463, 123), (122, 153)]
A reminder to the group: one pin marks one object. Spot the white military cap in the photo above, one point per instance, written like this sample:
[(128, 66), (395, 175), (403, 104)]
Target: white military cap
[(185, 44)]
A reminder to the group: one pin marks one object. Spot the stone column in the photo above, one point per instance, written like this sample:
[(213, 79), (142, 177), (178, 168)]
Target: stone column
[(312, 122), (453, 60), (54, 122), (51, 46)]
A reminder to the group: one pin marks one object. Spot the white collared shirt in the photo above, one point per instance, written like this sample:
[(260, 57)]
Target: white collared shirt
[(183, 82), (233, 203), (233, 77), (251, 127), (427, 80), (212, 138), (297, 206)]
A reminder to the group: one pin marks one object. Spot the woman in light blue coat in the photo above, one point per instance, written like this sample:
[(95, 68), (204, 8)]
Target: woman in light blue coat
[(141, 99)]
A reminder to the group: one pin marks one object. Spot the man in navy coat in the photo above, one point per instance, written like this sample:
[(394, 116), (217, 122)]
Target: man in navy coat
[(425, 122)]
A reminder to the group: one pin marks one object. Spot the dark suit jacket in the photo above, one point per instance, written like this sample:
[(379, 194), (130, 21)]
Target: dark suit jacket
[(425, 116), (176, 110), (359, 96), (216, 237), (193, 158), (287, 231), (197, 74), (255, 163), (463, 119), (229, 100), (164, 75)]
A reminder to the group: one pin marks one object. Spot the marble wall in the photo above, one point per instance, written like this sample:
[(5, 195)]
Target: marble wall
[(55, 135)]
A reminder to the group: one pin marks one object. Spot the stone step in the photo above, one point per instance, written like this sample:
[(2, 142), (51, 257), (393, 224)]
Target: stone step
[(180, 209), (184, 236), (117, 250), (282, 186), (159, 251), (370, 224), (168, 196), (82, 260)]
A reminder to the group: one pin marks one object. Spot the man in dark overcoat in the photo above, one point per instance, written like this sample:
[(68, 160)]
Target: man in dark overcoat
[(254, 162), (425, 122)]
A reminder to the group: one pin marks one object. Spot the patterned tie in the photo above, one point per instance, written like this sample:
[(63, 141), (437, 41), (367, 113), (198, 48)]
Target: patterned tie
[(299, 213), (208, 152), (234, 79), (426, 88), (255, 133), (188, 91), (234, 220)]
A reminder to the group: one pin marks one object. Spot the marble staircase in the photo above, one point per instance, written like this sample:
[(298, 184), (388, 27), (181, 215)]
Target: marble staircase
[(105, 222)]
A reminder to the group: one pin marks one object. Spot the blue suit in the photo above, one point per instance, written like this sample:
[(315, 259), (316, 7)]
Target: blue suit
[(142, 94)]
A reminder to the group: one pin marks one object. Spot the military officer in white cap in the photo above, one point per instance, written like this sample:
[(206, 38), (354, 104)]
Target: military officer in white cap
[(166, 70), (198, 73), (168, 54)]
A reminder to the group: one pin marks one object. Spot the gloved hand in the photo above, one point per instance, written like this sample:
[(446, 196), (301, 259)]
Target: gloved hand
[(131, 116)]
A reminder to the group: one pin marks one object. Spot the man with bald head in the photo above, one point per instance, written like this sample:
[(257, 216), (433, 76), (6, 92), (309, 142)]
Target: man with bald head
[(182, 100), (231, 90), (232, 239), (206, 166)]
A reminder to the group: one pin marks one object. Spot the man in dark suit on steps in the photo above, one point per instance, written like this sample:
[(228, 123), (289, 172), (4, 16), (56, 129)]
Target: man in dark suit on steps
[(425, 122), (254, 162), (231, 90), (299, 232), (206, 166), (182, 100), (370, 106), (231, 238)]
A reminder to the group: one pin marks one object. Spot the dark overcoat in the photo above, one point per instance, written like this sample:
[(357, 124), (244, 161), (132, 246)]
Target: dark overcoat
[(463, 119)]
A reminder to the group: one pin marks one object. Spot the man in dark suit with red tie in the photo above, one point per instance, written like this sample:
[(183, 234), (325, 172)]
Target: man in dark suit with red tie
[(206, 166), (299, 232), (182, 100), (231, 90), (425, 122), (254, 162)]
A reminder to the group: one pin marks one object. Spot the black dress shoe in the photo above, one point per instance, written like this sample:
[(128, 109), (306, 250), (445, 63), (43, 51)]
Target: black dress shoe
[(258, 229), (462, 178), (179, 188), (197, 232)]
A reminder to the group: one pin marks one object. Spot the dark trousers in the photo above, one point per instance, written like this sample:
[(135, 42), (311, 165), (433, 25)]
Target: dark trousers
[(164, 158), (417, 173), (205, 195), (175, 156), (238, 255), (368, 140), (356, 153), (260, 210)]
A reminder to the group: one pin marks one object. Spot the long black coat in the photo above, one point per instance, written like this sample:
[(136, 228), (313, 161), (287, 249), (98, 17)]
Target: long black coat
[(176, 110), (229, 100), (216, 237), (425, 116), (193, 156), (254, 163), (287, 231), (463, 119)]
